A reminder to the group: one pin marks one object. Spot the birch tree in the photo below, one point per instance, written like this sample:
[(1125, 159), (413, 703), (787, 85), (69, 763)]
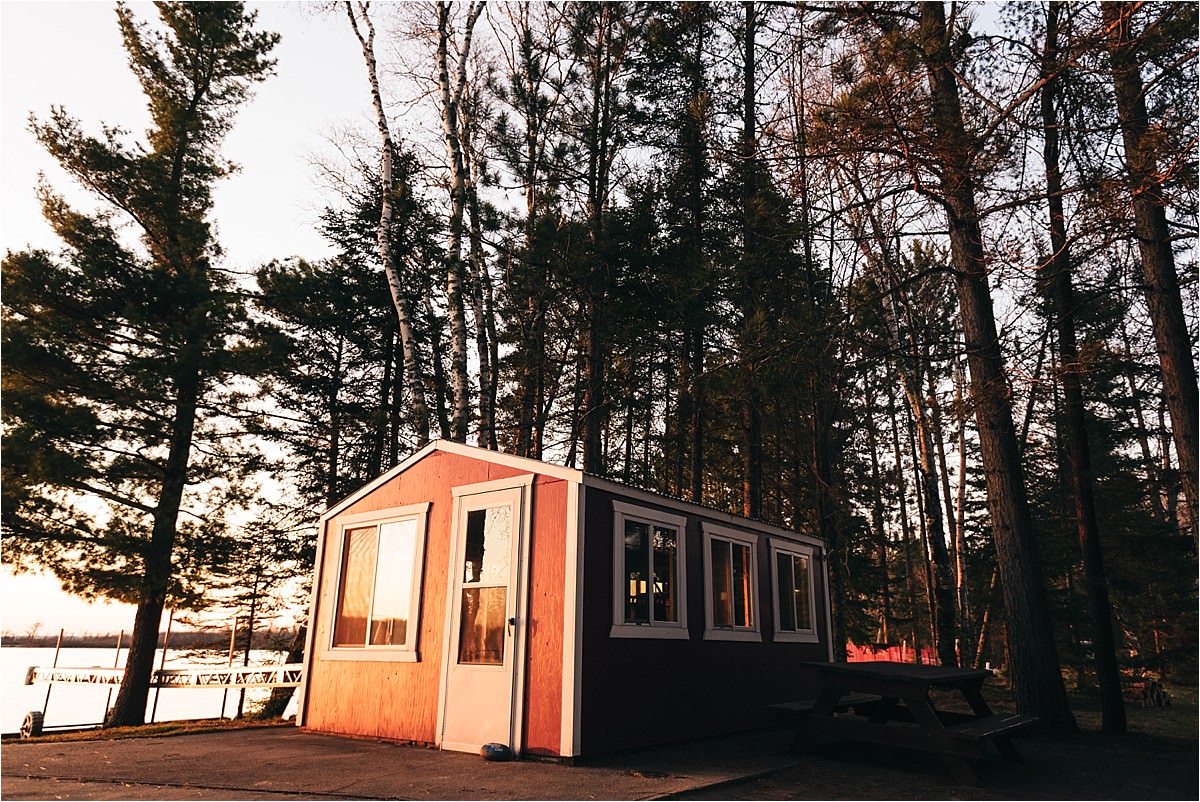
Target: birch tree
[(453, 59), (359, 14)]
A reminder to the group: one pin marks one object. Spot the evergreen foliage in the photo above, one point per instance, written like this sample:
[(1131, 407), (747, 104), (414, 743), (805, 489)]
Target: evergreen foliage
[(744, 254), (119, 354)]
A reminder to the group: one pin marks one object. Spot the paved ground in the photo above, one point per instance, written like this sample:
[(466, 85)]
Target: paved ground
[(284, 763)]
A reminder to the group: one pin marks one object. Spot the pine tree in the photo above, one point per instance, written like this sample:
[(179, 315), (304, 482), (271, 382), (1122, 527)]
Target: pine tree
[(114, 356)]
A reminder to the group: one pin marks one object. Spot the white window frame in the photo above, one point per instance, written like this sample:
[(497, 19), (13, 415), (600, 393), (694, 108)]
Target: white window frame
[(673, 630), (407, 653), (809, 553), (733, 536)]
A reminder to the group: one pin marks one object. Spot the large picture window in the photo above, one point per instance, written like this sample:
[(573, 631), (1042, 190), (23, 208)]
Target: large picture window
[(379, 583), (648, 557), (792, 581), (730, 584)]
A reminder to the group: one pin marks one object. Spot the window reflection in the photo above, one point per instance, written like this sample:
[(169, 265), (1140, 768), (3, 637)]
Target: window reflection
[(731, 584), (651, 564), (795, 603), (375, 596), (483, 604)]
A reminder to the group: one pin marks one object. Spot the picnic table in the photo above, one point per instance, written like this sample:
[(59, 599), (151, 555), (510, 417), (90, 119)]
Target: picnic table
[(890, 703)]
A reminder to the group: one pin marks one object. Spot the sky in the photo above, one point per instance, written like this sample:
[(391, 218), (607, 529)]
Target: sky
[(265, 211)]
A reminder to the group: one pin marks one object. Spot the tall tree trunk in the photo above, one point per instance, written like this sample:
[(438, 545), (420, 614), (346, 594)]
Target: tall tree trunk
[(1163, 299), (905, 526), (1058, 278), (365, 33), (981, 642), (927, 574), (436, 382), (877, 523), (379, 431), (481, 295), (942, 579), (129, 708), (396, 405), (751, 401), (698, 417), (912, 358), (938, 574), (598, 142), (483, 308), (1141, 431), (960, 526), (1037, 677), (451, 98), (333, 452)]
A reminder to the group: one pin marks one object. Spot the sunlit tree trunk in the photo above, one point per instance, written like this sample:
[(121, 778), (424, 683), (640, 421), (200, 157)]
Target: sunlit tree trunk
[(364, 31), (1163, 299), (1037, 677), (451, 86)]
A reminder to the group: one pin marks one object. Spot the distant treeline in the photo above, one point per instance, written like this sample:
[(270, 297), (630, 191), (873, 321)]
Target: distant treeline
[(186, 639)]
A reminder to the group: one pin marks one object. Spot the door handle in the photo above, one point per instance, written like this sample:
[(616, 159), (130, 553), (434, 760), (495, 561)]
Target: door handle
[(512, 622)]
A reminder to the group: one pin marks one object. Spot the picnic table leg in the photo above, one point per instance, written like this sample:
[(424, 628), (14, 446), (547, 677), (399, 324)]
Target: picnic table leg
[(926, 716), (826, 702), (973, 693)]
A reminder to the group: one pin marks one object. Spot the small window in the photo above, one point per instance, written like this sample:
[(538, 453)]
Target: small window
[(730, 584), (648, 557), (379, 583), (483, 619), (792, 579)]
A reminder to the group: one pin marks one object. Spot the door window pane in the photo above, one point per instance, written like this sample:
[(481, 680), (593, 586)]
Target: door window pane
[(393, 583), (354, 595), (489, 536), (483, 626)]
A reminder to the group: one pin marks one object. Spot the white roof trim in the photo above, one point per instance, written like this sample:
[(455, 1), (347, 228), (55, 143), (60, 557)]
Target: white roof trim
[(462, 450)]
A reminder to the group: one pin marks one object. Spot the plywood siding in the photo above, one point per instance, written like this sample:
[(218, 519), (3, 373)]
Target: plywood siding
[(637, 692), (398, 700), (544, 672)]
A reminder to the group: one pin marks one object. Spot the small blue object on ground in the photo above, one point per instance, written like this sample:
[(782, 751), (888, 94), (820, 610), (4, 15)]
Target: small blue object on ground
[(495, 752)]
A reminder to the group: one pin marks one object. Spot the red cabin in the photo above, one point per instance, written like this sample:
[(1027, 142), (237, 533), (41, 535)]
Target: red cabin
[(469, 597)]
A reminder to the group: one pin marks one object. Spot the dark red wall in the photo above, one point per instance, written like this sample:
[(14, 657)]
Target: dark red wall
[(639, 691)]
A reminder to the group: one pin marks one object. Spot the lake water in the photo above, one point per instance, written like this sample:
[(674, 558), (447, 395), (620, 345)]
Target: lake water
[(80, 704)]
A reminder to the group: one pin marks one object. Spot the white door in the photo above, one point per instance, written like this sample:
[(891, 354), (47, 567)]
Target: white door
[(482, 696)]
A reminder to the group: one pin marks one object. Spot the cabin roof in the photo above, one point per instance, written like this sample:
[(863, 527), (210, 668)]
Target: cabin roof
[(559, 472)]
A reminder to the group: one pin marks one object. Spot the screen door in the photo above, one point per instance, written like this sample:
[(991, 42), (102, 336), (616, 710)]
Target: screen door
[(486, 620)]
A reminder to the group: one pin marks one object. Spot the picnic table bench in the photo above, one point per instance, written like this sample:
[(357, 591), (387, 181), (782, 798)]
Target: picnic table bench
[(889, 703)]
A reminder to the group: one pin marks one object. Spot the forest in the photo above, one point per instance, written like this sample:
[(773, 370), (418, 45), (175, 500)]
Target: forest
[(916, 278)]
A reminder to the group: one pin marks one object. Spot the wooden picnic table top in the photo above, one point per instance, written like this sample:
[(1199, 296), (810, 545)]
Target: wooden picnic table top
[(932, 676)]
